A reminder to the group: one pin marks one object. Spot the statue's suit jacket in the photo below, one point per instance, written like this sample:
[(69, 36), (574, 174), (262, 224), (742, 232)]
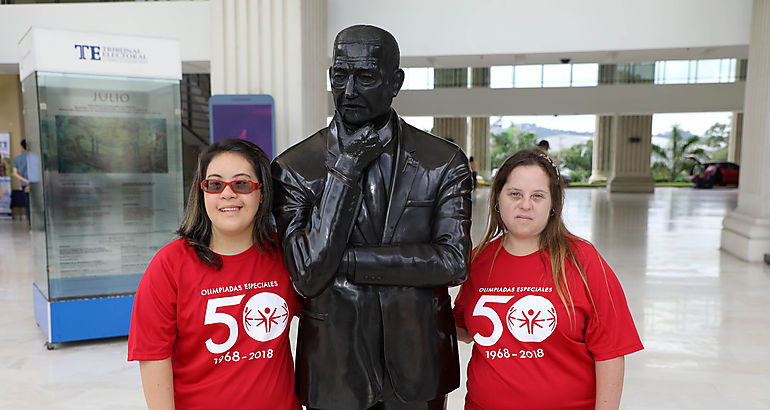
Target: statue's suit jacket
[(375, 302)]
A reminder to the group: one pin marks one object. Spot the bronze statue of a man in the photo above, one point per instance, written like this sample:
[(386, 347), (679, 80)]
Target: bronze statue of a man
[(374, 220)]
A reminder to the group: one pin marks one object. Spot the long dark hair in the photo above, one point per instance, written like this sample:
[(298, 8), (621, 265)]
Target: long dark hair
[(555, 238), (196, 225)]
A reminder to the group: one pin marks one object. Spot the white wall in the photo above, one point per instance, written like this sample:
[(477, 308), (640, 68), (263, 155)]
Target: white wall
[(457, 27), (182, 20), (430, 27), (462, 27)]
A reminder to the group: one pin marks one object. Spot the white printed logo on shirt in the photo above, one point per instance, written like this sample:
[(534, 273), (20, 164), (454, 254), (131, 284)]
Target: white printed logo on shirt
[(265, 316), (531, 319)]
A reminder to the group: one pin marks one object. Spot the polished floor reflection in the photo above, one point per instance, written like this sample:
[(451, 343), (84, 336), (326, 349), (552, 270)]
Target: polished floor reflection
[(701, 313)]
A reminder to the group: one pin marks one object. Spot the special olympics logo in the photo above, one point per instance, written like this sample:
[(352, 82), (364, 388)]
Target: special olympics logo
[(265, 316), (531, 319)]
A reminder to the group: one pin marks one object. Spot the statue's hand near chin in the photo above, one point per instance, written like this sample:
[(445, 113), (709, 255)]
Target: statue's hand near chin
[(359, 149)]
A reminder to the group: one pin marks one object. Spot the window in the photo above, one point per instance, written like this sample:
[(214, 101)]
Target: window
[(528, 76), (418, 78), (695, 71), (585, 75), (501, 76), (672, 72), (557, 75)]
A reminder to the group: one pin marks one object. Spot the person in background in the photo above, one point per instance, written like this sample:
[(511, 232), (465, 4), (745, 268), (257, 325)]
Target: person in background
[(20, 171), (704, 176), (544, 145), (547, 316), (210, 323), (3, 171), (713, 174)]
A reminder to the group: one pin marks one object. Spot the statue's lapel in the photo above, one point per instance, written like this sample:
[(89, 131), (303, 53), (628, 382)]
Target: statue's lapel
[(403, 178), (332, 145)]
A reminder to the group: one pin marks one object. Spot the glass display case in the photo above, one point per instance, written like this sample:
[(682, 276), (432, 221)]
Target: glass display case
[(106, 194)]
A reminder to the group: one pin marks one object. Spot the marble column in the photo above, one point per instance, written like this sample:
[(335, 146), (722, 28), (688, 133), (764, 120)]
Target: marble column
[(600, 160), (746, 230), (275, 47), (454, 129), (480, 145), (735, 139), (630, 154), (480, 78)]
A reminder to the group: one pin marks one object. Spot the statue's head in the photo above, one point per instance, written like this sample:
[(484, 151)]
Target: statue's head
[(365, 75)]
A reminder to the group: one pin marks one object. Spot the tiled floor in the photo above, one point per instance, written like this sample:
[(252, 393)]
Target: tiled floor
[(702, 314)]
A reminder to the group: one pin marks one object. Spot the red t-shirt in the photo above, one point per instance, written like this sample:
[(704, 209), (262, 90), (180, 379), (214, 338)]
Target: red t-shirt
[(528, 353), (226, 331)]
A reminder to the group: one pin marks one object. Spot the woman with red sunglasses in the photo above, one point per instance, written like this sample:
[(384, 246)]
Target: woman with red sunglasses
[(210, 325)]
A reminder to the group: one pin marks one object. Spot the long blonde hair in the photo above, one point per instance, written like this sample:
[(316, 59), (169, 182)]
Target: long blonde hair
[(555, 238)]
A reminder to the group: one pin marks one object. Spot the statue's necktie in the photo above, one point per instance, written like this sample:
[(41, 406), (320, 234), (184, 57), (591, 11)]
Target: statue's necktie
[(376, 189)]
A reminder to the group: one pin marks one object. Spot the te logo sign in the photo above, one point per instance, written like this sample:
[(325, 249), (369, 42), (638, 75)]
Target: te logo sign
[(88, 52)]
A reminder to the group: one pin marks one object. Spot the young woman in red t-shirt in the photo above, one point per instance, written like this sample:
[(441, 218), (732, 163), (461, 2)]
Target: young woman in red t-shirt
[(210, 323), (547, 316)]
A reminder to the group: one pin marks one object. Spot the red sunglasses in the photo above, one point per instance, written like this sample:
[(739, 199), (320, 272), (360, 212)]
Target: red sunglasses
[(239, 186)]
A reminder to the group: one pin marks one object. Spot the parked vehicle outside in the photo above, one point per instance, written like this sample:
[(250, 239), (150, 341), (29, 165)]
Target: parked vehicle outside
[(714, 173)]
